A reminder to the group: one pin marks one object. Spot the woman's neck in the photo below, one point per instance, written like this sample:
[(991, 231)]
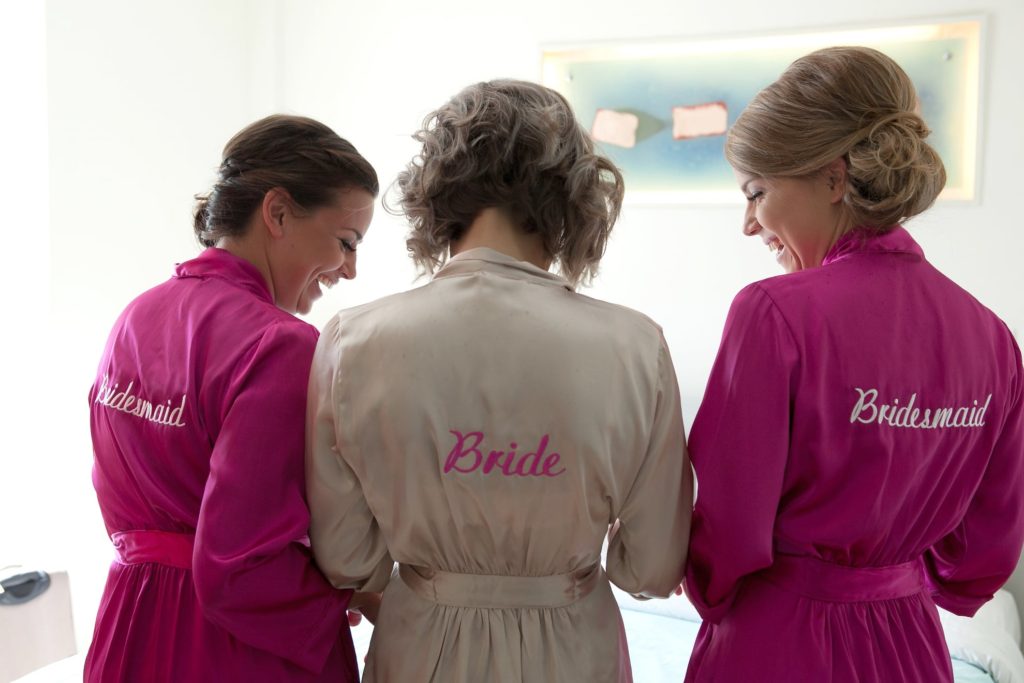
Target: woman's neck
[(252, 246), (493, 229)]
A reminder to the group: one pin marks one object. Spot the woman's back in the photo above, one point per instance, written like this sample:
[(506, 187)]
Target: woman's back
[(887, 429), (902, 396), (498, 423), (184, 410), (159, 400), (197, 418)]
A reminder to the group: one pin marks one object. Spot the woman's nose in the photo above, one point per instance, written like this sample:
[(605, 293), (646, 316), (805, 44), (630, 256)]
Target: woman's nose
[(750, 225), (348, 269)]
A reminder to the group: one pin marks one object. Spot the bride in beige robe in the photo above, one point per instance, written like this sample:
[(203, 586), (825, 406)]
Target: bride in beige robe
[(486, 430)]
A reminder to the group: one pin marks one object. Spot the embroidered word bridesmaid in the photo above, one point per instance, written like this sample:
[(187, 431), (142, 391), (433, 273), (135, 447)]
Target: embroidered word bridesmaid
[(859, 449), (487, 429), (197, 423)]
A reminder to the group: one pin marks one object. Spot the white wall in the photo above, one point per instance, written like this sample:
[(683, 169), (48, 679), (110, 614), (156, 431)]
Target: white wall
[(143, 95), (25, 275)]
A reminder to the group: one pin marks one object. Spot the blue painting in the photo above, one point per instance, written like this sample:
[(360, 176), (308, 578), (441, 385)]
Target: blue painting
[(660, 110)]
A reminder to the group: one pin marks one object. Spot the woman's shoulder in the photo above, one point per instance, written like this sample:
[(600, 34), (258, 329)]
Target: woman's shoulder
[(374, 313), (619, 314), (234, 316), (631, 333)]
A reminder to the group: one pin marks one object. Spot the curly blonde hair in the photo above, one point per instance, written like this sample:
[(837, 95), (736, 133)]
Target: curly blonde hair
[(515, 146), (849, 102)]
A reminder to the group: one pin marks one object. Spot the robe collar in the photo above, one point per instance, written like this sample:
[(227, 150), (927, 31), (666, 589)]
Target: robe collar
[(484, 259), (865, 240), (222, 264)]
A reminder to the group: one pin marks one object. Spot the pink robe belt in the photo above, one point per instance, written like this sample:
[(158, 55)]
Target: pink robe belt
[(500, 592), (162, 547), (820, 580)]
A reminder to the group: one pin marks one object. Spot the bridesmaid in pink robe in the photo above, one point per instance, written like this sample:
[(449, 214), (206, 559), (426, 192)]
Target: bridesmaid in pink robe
[(859, 450), (198, 428)]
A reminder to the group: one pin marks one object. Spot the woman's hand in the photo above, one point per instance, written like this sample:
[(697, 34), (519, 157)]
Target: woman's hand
[(364, 604)]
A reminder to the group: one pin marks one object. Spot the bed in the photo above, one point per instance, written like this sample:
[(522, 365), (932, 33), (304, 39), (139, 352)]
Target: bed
[(985, 649), (661, 633)]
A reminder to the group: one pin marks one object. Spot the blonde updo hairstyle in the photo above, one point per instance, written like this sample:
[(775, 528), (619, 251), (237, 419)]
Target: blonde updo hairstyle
[(849, 102), (515, 146)]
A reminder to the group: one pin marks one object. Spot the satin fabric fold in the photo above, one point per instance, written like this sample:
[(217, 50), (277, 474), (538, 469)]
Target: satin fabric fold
[(162, 547), (830, 582), (501, 592)]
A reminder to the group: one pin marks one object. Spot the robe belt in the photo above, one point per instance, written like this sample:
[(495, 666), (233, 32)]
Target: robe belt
[(162, 547), (830, 582), (500, 592)]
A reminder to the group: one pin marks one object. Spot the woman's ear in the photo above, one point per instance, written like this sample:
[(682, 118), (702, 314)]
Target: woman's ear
[(275, 207), (834, 174)]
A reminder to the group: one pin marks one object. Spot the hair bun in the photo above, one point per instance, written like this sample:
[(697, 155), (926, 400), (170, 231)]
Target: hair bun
[(848, 102), (229, 168), (200, 216), (894, 173), (301, 155)]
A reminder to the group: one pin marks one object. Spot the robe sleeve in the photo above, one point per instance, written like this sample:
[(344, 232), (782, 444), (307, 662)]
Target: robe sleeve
[(740, 446), (967, 567), (347, 540), (647, 548), (253, 571)]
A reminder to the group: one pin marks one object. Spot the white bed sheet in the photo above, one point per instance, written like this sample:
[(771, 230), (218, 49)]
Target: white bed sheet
[(990, 640)]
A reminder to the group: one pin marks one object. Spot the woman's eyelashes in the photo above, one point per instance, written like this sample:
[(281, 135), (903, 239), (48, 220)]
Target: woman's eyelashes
[(754, 195), (347, 245)]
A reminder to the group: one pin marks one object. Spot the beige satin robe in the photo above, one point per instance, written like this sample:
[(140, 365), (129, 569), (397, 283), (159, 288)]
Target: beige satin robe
[(417, 400)]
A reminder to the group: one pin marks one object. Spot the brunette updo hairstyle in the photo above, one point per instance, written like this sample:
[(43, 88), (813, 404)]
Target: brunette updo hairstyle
[(298, 154), (850, 102), (515, 146)]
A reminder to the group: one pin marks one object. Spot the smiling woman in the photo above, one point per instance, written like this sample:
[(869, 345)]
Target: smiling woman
[(795, 217), (204, 506), (837, 143), (294, 200), (855, 524), (297, 250)]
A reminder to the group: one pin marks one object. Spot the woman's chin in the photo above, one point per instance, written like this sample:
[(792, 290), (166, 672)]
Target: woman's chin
[(788, 263), (785, 262), (308, 298)]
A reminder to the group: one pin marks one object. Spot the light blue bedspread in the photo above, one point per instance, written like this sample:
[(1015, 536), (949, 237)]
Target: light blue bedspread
[(659, 649)]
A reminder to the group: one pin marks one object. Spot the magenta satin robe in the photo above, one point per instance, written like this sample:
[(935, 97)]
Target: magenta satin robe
[(198, 430), (859, 460)]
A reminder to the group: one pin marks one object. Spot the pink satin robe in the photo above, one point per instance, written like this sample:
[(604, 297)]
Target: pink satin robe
[(859, 460), (197, 424)]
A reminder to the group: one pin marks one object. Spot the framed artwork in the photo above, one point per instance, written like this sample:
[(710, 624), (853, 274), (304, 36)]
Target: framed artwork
[(660, 108)]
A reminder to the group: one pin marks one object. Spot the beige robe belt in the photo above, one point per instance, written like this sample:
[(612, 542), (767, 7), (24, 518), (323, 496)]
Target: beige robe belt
[(500, 592)]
